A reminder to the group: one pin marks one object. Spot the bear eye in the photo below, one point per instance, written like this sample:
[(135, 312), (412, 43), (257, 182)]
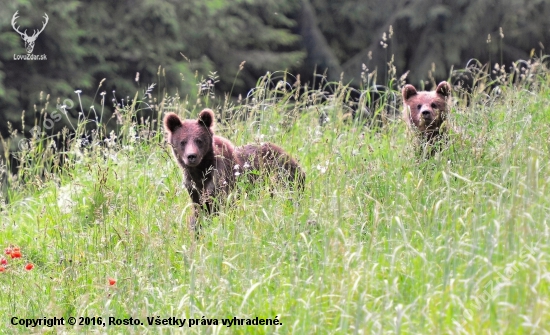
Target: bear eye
[(419, 106), (183, 143), (198, 141), (434, 105)]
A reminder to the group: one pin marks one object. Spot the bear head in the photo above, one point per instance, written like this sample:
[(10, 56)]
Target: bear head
[(426, 110), (191, 140)]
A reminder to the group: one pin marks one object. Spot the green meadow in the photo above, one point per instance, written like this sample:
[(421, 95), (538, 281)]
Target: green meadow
[(381, 241)]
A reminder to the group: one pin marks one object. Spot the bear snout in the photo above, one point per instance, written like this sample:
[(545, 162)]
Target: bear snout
[(426, 114), (192, 158)]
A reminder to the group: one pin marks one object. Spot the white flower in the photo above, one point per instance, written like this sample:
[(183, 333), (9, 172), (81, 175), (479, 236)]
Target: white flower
[(246, 165), (236, 167), (237, 174), (78, 91)]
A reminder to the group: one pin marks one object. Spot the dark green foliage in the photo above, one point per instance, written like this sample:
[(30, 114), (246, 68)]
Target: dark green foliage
[(223, 34), (432, 36), (176, 44), (172, 43)]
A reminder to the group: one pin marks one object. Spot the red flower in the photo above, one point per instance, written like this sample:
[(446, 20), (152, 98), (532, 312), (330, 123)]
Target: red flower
[(29, 267), (2, 269), (3, 261), (15, 254), (112, 281), (7, 251)]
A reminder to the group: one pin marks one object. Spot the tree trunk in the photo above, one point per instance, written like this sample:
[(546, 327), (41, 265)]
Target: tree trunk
[(319, 53)]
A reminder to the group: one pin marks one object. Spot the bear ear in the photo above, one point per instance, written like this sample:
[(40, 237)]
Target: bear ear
[(171, 122), (206, 117), (408, 91), (444, 89)]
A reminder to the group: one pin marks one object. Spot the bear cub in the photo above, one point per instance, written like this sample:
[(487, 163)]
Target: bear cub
[(425, 113), (211, 163)]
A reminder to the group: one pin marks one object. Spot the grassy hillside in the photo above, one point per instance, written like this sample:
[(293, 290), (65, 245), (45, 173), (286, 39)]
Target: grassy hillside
[(380, 242)]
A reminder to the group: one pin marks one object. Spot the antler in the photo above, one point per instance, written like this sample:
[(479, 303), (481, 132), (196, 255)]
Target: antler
[(13, 19), (43, 26), (36, 33)]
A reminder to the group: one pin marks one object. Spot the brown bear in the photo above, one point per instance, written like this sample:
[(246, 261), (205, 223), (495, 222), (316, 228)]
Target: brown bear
[(426, 113), (211, 163), (270, 159)]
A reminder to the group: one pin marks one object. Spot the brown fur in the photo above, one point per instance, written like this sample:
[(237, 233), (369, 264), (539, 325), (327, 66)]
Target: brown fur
[(270, 158), (211, 163), (426, 113)]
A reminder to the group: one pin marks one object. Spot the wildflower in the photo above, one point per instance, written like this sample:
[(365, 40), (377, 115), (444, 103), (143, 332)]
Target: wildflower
[(15, 254), (2, 269), (112, 281), (322, 168), (8, 251), (3, 261), (29, 266), (236, 167), (237, 174), (246, 165), (78, 91)]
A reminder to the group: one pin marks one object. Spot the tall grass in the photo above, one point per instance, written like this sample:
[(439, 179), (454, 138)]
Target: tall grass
[(380, 242)]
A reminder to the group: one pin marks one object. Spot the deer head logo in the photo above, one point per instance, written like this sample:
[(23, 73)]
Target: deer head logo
[(29, 40)]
